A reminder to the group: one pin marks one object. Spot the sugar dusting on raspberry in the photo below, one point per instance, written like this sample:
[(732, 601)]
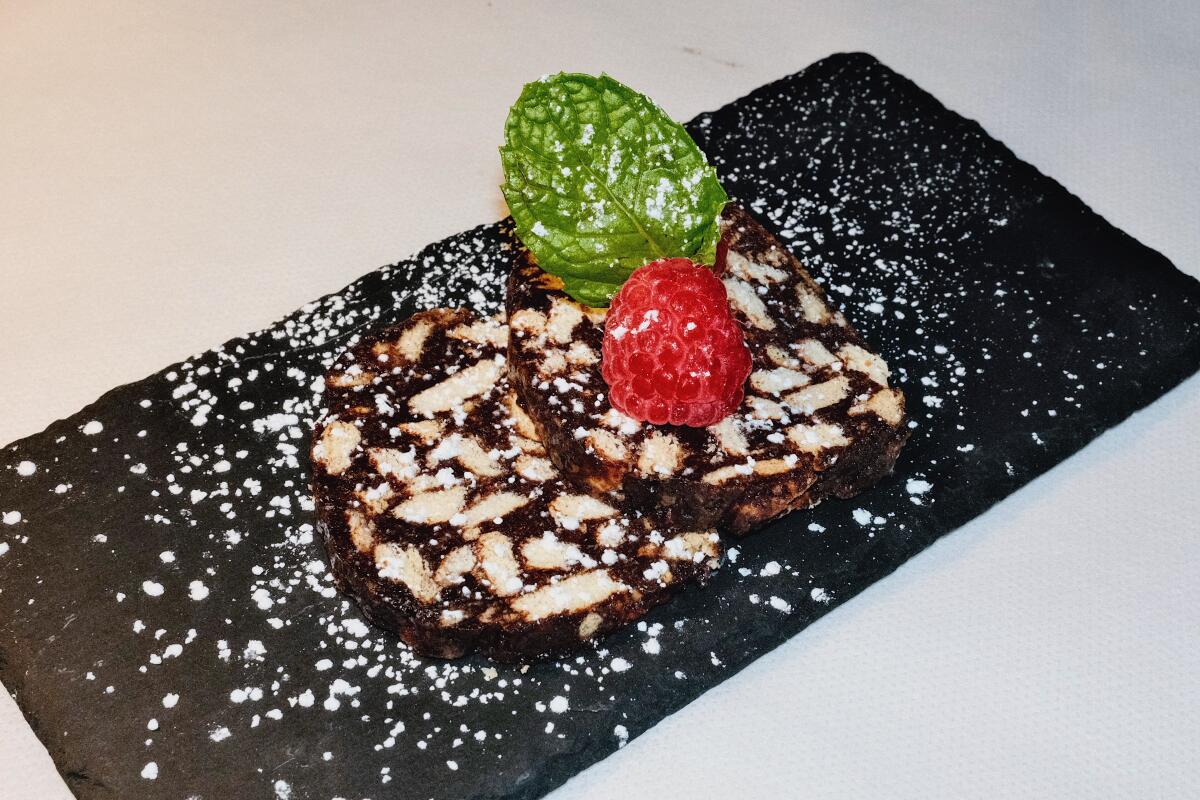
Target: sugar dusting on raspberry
[(673, 353)]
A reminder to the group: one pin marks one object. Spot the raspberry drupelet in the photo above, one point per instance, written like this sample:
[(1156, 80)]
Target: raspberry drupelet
[(672, 352)]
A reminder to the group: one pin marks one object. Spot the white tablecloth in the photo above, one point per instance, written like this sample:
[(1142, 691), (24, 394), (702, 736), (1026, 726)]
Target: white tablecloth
[(173, 175)]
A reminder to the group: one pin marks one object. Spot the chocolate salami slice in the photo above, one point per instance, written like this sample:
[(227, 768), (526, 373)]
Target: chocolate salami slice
[(819, 417), (447, 523)]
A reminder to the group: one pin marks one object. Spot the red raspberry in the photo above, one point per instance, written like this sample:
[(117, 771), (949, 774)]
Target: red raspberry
[(673, 353)]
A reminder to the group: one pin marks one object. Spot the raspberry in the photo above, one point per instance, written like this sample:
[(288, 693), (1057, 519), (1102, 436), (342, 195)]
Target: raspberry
[(673, 353)]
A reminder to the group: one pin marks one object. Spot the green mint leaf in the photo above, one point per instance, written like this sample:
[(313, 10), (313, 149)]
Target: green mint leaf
[(601, 181)]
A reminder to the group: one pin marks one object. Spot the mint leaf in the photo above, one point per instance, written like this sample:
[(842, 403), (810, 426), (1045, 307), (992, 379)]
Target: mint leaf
[(601, 181)]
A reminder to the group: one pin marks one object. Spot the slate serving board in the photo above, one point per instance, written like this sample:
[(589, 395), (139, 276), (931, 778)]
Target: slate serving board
[(167, 621)]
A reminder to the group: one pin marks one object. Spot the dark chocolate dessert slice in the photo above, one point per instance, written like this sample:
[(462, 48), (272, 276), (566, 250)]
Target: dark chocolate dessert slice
[(819, 417), (446, 522)]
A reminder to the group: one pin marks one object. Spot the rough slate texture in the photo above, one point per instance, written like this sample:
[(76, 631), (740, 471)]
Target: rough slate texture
[(167, 622)]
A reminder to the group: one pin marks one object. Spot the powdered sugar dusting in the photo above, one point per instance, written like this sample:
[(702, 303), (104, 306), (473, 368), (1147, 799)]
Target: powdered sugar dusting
[(241, 640)]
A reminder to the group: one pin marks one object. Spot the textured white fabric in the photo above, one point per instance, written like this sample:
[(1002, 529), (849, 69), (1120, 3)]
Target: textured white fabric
[(160, 161)]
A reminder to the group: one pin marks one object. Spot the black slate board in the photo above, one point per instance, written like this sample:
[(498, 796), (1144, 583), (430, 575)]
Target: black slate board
[(156, 551)]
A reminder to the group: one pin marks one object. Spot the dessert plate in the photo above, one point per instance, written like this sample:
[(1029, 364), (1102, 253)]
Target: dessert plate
[(168, 623)]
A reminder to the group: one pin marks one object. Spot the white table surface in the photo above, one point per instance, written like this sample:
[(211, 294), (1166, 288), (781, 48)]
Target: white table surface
[(173, 175)]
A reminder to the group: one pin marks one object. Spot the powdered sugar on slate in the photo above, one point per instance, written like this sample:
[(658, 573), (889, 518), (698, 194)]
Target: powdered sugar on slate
[(240, 652)]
